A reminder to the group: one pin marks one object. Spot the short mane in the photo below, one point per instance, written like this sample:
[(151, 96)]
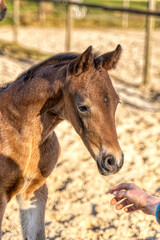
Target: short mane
[(57, 59)]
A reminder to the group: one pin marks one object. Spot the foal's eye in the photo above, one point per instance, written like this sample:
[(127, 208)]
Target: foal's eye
[(82, 108)]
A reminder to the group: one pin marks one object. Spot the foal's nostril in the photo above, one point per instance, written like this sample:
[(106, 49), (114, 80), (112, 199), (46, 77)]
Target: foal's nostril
[(4, 10), (110, 160), (109, 163)]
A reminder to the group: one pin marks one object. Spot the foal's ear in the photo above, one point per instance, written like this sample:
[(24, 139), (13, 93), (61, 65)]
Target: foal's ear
[(82, 62), (109, 60)]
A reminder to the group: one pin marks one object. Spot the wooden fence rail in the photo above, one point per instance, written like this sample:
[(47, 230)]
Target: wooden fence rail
[(109, 8)]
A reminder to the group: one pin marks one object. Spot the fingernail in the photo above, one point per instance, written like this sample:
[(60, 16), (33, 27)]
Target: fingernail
[(115, 192)]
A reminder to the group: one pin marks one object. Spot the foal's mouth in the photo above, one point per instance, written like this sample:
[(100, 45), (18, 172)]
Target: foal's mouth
[(101, 170)]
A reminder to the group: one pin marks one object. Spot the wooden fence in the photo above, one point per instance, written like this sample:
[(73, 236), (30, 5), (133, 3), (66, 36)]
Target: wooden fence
[(150, 13)]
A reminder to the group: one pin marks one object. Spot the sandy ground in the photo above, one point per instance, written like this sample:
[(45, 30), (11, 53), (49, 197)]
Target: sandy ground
[(78, 204)]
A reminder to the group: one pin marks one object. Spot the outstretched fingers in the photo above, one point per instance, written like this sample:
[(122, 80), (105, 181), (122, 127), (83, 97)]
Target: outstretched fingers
[(131, 198), (120, 194), (123, 204), (122, 186), (131, 209), (115, 200)]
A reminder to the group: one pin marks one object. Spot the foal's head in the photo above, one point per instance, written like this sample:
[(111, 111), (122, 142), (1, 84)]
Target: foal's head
[(90, 105), (3, 9)]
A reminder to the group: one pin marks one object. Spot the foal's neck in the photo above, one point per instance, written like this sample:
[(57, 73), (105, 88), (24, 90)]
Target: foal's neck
[(37, 102)]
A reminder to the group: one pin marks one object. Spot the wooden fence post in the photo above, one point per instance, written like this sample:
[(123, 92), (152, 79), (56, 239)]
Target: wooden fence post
[(15, 19), (147, 54), (42, 13), (125, 15), (69, 25)]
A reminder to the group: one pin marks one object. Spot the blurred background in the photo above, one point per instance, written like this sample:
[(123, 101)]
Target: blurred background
[(65, 23), (78, 205)]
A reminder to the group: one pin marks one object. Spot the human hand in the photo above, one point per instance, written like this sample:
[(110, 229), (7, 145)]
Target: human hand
[(132, 198)]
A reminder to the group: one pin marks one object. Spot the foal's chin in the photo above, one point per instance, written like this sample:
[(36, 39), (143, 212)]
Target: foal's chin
[(103, 173), (106, 172)]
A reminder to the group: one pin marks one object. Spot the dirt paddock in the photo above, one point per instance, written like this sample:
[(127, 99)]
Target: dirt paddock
[(78, 205)]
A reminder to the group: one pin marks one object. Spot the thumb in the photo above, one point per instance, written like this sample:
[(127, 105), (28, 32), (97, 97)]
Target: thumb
[(120, 194)]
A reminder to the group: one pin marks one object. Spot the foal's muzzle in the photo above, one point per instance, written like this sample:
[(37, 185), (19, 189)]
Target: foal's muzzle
[(108, 164), (3, 12)]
